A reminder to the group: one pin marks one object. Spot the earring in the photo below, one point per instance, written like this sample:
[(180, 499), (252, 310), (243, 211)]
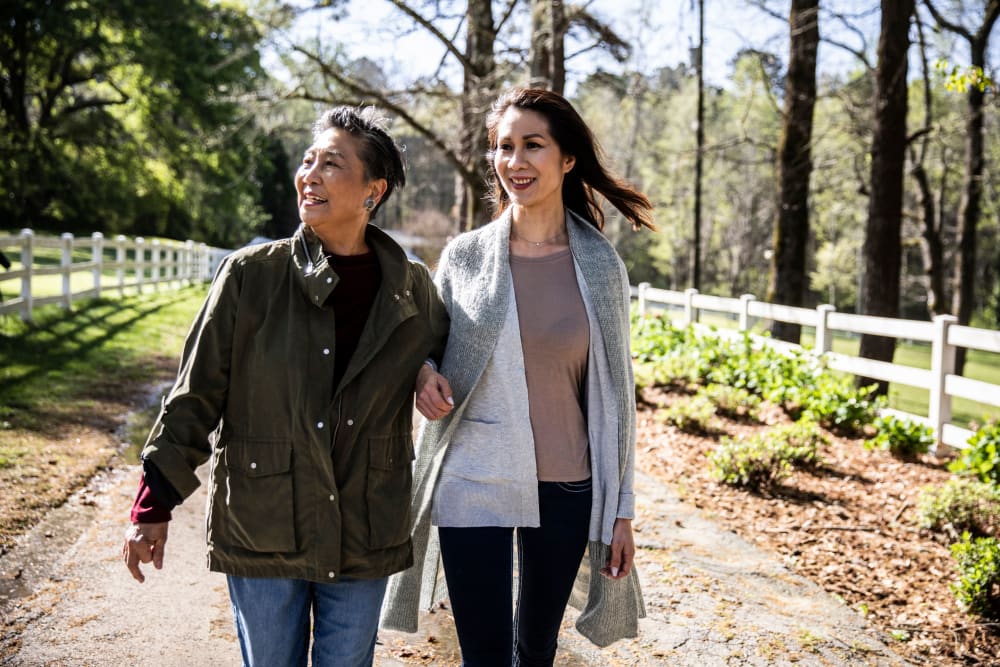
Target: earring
[(369, 204)]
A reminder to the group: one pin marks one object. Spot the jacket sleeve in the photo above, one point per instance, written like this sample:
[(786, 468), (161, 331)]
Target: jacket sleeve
[(179, 440), (436, 314), (626, 497)]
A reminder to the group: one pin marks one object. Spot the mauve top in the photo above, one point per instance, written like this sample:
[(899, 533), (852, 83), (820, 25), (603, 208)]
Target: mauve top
[(555, 337)]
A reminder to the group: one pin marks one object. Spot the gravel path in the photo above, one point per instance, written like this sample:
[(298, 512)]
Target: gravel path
[(712, 599)]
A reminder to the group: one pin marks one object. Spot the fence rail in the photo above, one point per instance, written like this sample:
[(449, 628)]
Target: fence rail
[(943, 333), (120, 264)]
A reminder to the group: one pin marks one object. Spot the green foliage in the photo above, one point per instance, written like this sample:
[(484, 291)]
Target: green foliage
[(960, 505), (691, 414), (765, 459), (751, 463), (733, 402), (903, 438), (961, 79), (982, 457), (128, 117), (840, 406), (978, 585)]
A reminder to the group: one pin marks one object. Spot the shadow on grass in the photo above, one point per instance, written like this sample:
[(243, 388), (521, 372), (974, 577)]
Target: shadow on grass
[(72, 348)]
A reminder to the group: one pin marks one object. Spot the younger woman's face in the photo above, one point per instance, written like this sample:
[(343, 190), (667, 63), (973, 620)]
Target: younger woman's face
[(528, 161)]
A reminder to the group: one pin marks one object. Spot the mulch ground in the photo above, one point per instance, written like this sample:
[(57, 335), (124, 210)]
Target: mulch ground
[(849, 524)]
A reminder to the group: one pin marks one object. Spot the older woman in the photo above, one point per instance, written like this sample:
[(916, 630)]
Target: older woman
[(297, 381), (538, 439)]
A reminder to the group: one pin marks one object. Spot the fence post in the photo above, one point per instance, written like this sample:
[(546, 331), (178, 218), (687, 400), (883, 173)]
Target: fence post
[(140, 261), (67, 269), (120, 261), (824, 339), (205, 265), (745, 300), (27, 263), (942, 365), (188, 277), (690, 314), (642, 298), (154, 258), (97, 253)]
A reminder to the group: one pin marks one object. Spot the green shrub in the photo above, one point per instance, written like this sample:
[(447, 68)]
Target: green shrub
[(691, 414), (960, 505), (840, 406), (978, 585), (798, 442), (734, 402), (766, 458), (982, 457), (750, 463), (903, 438)]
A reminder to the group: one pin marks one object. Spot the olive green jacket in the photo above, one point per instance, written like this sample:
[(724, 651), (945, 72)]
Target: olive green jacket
[(308, 481)]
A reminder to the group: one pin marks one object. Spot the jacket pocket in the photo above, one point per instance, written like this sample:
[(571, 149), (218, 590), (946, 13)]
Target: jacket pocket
[(390, 481), (259, 512)]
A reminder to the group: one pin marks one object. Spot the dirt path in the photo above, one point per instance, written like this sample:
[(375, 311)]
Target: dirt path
[(712, 599)]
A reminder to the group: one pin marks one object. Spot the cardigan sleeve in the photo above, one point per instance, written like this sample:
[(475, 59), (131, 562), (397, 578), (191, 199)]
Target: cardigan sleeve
[(626, 497)]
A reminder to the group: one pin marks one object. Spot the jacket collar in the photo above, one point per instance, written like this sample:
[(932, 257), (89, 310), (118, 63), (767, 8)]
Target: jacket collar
[(314, 275)]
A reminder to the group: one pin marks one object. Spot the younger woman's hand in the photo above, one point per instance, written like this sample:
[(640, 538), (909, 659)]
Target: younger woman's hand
[(622, 551)]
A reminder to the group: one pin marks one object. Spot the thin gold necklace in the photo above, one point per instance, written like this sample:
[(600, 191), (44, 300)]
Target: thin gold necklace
[(537, 244)]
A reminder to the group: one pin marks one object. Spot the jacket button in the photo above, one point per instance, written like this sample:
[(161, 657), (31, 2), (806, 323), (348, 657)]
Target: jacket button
[(350, 422), (332, 498), (326, 351), (407, 292), (396, 297), (329, 280), (253, 465), (319, 424), (316, 298), (331, 574)]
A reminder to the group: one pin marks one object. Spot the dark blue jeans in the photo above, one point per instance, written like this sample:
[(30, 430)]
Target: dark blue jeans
[(478, 566)]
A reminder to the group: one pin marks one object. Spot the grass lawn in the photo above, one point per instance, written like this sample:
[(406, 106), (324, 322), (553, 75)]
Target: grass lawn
[(66, 383)]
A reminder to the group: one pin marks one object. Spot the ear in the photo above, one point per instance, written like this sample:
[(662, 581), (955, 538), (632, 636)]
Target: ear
[(569, 161), (377, 188)]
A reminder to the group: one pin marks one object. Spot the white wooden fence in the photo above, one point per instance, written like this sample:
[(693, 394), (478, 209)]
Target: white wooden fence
[(135, 265), (942, 333)]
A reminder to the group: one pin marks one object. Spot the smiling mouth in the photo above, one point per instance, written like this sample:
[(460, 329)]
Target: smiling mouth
[(521, 182), (310, 200)]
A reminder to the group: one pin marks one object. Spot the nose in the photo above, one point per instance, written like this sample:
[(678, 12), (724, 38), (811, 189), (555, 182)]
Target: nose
[(310, 173), (516, 159)]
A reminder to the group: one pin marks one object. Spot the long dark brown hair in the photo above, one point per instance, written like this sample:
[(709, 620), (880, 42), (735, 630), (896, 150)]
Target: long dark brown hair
[(589, 175)]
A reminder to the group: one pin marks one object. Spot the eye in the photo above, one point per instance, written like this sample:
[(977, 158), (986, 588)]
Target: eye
[(534, 144), (505, 147)]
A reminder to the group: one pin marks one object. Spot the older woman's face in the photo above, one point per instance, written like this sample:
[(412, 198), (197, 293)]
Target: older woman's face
[(331, 183)]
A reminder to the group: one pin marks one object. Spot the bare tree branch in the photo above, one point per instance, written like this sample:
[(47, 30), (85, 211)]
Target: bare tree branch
[(448, 44)]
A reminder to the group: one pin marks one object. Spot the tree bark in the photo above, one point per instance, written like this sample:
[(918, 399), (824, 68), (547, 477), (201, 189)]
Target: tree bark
[(882, 251), (546, 56), (789, 279), (478, 91)]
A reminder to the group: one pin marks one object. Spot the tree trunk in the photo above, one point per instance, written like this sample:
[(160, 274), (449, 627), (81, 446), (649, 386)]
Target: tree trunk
[(964, 292), (699, 156), (931, 246), (546, 55), (478, 92), (963, 295), (789, 280), (882, 253)]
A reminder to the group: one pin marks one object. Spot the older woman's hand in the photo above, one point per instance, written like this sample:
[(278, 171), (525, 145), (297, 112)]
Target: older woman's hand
[(622, 550), (144, 542), (433, 393)]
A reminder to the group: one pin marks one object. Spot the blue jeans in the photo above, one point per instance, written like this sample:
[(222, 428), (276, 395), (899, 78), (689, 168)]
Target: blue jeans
[(272, 621), (478, 564)]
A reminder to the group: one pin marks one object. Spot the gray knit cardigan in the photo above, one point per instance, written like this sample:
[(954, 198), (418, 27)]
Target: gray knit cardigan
[(475, 283)]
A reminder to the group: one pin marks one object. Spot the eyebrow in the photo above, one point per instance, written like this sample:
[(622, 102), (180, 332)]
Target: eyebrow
[(534, 135), (334, 152)]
